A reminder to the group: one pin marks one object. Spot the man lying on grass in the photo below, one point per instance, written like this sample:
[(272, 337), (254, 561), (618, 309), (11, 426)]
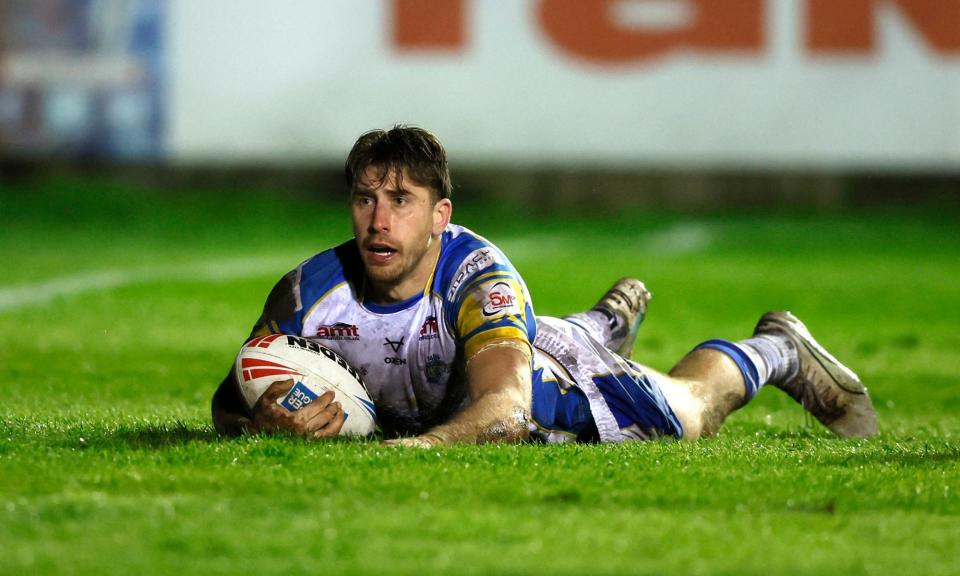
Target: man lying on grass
[(443, 329)]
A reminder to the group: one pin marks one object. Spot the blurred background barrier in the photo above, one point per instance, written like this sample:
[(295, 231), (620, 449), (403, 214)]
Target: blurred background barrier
[(83, 79), (688, 104)]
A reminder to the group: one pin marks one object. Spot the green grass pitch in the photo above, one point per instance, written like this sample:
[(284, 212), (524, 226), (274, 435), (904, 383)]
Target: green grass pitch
[(119, 314)]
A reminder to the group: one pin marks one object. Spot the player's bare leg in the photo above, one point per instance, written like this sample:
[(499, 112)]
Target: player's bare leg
[(615, 319), (718, 377), (703, 389)]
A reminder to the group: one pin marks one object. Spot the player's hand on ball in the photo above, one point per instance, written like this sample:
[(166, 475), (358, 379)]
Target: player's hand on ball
[(321, 418)]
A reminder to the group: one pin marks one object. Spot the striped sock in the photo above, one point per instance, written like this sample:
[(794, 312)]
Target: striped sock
[(600, 324), (763, 359), (777, 354)]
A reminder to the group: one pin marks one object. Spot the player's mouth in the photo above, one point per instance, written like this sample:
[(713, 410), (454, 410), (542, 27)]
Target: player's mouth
[(380, 253)]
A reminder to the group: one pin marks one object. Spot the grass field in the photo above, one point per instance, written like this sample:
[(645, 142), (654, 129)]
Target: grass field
[(120, 312)]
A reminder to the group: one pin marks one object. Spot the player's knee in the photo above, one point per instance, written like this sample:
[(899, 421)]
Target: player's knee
[(686, 406), (692, 429), (689, 411)]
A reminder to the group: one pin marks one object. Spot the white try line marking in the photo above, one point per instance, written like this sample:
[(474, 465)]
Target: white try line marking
[(37, 293), (676, 240)]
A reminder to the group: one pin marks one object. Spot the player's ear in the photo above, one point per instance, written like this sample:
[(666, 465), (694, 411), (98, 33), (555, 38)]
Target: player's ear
[(442, 211)]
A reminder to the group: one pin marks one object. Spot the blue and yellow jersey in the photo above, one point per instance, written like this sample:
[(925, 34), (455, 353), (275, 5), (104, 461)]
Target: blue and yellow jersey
[(411, 353)]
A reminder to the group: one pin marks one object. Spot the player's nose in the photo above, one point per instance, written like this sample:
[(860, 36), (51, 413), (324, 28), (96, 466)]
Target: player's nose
[(380, 219)]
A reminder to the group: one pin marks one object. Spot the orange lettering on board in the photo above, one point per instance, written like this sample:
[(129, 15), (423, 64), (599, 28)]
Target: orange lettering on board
[(848, 26), (588, 29), (435, 25)]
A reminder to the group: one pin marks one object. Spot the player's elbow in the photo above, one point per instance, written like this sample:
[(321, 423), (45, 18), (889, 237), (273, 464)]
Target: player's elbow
[(226, 410), (224, 423), (513, 423), (220, 423), (504, 432), (516, 404)]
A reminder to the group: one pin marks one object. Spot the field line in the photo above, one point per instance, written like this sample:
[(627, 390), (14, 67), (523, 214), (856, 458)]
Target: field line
[(42, 292), (676, 240), (679, 239)]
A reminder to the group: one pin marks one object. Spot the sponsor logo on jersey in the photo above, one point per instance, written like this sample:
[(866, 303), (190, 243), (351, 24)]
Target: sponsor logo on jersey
[(298, 397), (338, 331), (436, 368), (476, 261), (394, 345), (500, 297), (430, 329)]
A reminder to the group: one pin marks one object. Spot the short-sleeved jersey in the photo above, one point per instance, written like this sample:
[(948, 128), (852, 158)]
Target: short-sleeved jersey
[(412, 353)]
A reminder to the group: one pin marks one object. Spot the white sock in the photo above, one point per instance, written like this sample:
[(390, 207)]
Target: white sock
[(600, 324), (774, 355)]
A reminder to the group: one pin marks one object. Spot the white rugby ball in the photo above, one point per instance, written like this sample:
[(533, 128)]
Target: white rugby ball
[(314, 369)]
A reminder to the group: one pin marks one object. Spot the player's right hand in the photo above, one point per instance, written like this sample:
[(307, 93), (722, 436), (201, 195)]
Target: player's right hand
[(322, 418)]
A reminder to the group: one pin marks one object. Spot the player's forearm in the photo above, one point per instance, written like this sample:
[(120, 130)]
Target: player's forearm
[(492, 418), (500, 408)]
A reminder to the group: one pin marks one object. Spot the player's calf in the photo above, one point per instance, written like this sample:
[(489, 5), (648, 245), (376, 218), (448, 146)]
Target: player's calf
[(726, 375)]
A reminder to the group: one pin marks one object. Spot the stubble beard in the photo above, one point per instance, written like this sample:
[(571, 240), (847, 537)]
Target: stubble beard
[(396, 274)]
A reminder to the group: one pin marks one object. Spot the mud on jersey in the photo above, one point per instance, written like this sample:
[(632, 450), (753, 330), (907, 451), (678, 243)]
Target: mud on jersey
[(411, 353)]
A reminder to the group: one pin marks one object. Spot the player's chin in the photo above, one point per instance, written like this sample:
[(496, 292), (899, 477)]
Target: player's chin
[(385, 274)]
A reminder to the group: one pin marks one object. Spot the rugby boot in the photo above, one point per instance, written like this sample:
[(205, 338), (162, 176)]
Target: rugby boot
[(823, 386), (625, 303)]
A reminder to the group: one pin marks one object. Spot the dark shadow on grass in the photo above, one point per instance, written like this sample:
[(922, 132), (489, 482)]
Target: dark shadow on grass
[(158, 436), (150, 436), (161, 435)]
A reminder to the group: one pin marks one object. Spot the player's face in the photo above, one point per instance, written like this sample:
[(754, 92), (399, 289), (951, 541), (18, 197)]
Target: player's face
[(397, 226)]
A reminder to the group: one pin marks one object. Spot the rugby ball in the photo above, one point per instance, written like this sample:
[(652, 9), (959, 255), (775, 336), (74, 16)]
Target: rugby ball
[(314, 369)]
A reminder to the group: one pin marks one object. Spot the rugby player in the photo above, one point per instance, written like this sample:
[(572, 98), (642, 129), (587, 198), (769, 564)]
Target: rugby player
[(443, 328)]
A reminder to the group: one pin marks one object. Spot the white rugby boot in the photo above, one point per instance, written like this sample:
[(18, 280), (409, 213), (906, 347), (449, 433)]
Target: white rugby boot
[(823, 386), (626, 302)]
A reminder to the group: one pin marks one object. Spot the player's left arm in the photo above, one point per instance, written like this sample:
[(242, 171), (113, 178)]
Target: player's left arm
[(499, 383), (488, 308)]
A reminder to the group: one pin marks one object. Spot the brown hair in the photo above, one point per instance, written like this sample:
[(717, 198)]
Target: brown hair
[(410, 147)]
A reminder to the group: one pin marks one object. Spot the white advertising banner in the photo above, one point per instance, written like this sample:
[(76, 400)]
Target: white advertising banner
[(779, 84)]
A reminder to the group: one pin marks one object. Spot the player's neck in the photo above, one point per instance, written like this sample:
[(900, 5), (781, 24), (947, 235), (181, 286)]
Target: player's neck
[(412, 284)]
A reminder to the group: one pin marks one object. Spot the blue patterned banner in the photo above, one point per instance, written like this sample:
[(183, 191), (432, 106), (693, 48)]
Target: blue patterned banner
[(82, 79)]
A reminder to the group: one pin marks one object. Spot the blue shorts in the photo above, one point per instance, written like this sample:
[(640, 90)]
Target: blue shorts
[(584, 391)]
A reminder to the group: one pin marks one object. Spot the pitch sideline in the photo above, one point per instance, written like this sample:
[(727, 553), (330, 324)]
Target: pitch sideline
[(45, 291), (678, 239)]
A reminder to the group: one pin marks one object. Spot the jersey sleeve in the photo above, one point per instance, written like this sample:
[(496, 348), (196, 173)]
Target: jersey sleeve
[(492, 309), (281, 311), (301, 288), (487, 301)]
